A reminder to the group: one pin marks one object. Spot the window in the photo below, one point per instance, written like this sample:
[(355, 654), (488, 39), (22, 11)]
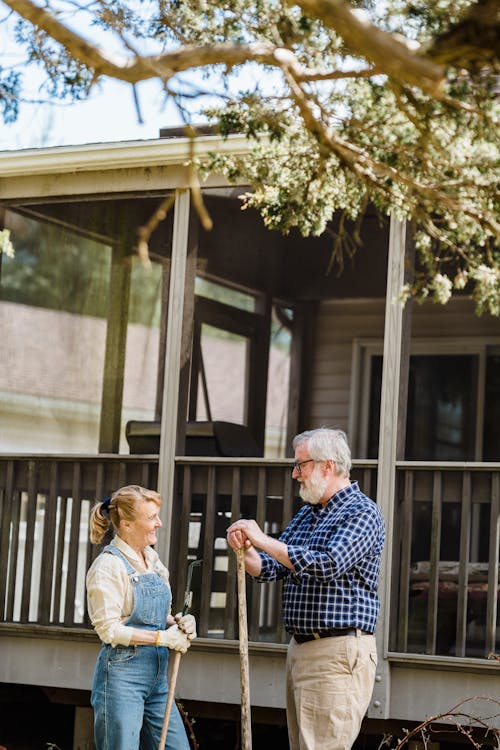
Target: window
[(221, 293), (72, 300), (241, 363), (53, 299), (140, 374), (453, 410), (491, 451), (222, 375)]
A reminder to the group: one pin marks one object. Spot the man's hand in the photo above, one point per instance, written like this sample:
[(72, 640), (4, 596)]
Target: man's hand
[(245, 533), (187, 624), (248, 534), (237, 539)]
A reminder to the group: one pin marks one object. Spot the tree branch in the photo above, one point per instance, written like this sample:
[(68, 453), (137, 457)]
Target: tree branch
[(140, 68), (380, 47), (388, 54), (368, 169)]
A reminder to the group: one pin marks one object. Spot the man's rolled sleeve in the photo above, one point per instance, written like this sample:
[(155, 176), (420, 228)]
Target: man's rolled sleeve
[(271, 569), (318, 564), (299, 557)]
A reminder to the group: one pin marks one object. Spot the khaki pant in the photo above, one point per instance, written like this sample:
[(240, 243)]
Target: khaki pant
[(329, 684)]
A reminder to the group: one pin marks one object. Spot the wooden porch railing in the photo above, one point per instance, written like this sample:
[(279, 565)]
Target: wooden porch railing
[(446, 545), (211, 492), (45, 503), (446, 559)]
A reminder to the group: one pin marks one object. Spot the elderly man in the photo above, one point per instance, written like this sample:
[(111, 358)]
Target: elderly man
[(329, 559)]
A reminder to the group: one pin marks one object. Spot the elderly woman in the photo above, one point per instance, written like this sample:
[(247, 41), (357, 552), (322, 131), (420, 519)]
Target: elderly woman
[(129, 602)]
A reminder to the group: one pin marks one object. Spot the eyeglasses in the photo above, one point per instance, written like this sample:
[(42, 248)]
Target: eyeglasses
[(297, 465)]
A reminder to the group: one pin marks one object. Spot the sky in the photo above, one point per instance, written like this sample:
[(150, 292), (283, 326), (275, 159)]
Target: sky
[(109, 115)]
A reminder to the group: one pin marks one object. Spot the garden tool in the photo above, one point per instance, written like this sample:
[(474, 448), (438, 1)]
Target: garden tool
[(188, 596)]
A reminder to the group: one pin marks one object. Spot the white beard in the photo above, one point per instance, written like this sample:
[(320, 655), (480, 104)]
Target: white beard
[(316, 486)]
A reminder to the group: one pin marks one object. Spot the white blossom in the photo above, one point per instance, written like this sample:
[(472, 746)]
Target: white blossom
[(441, 288), (486, 276), (461, 279), (6, 245), (404, 295), (487, 289)]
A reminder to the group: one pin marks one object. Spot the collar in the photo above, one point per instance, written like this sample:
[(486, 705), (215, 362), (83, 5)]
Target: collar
[(132, 555)]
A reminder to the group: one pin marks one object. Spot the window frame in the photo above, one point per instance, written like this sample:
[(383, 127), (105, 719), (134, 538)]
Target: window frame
[(363, 351)]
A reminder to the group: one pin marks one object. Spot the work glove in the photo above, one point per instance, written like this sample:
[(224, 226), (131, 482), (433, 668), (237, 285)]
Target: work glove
[(174, 638), (187, 624)]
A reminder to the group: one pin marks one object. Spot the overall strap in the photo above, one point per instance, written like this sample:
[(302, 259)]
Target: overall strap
[(113, 550)]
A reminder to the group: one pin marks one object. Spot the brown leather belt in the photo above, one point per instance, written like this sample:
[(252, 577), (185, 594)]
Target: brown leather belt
[(332, 633)]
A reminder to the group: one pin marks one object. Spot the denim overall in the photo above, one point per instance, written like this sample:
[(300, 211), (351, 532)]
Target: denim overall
[(130, 688)]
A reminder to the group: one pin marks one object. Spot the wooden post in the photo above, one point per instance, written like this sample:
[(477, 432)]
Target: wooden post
[(391, 371), (166, 467), (246, 720)]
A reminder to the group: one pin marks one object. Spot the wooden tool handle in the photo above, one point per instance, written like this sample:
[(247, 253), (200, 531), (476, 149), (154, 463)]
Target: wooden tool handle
[(170, 700), (246, 721)]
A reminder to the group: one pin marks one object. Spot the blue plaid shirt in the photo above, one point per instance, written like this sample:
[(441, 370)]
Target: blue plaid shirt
[(335, 551)]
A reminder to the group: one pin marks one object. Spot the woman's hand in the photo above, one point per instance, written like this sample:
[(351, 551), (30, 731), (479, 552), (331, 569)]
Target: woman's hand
[(187, 624), (173, 638)]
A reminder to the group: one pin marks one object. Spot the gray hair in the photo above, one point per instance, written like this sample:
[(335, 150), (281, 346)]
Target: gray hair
[(326, 444)]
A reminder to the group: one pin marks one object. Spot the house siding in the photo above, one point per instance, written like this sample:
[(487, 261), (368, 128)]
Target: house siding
[(340, 322)]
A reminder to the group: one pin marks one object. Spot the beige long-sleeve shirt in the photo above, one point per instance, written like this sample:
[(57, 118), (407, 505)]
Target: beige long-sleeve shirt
[(110, 596)]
